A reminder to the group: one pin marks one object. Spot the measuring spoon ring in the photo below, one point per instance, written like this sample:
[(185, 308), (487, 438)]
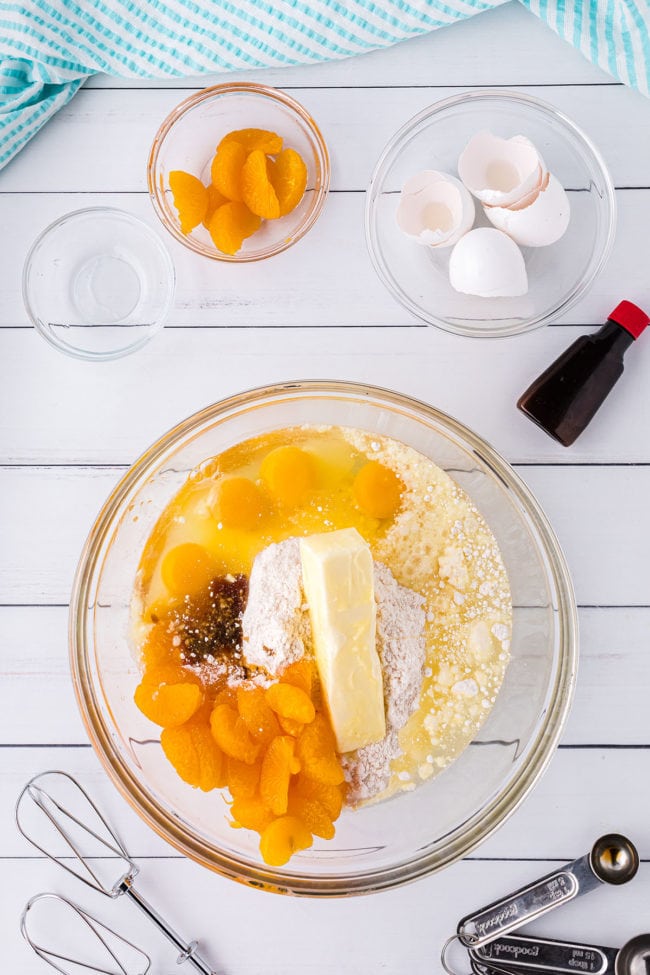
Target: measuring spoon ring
[(518, 955), (613, 859)]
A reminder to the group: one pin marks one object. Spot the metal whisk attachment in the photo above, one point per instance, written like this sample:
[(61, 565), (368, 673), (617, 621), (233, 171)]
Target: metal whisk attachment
[(53, 927), (73, 832)]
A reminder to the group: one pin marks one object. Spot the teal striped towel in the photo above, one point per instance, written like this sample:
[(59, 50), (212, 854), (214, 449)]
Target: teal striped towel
[(49, 47)]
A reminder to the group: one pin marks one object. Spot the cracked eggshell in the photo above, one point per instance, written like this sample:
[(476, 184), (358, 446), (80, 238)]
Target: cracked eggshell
[(435, 209), (488, 263), (501, 172), (541, 222), (526, 200)]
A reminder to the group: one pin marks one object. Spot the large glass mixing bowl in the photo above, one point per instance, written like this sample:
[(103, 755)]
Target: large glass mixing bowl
[(414, 833)]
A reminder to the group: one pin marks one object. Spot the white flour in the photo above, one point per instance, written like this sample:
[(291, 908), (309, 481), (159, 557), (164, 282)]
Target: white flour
[(400, 635), (401, 646), (275, 624), (276, 632)]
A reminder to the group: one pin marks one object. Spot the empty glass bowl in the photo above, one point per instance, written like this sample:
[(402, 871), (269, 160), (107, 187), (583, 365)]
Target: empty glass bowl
[(416, 832), (558, 274), (98, 283), (188, 139)]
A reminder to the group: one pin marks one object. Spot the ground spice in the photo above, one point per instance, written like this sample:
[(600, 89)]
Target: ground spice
[(210, 624)]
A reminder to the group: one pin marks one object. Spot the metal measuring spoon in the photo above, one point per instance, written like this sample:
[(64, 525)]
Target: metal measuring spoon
[(613, 859), (516, 955)]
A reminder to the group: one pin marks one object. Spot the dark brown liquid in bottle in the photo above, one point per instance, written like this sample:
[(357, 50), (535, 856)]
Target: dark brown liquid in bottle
[(566, 396)]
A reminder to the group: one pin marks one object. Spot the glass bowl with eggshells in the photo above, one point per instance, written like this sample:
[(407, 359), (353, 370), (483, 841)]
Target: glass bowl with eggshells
[(490, 213)]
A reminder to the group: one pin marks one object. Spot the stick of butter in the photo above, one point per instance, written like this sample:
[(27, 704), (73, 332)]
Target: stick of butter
[(337, 576)]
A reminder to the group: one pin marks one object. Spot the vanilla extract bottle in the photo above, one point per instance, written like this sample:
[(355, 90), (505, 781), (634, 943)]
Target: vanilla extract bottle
[(567, 395)]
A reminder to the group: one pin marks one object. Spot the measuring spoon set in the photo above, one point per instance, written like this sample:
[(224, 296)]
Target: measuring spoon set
[(493, 950)]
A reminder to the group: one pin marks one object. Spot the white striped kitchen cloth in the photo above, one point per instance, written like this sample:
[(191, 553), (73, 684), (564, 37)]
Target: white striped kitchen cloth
[(49, 47)]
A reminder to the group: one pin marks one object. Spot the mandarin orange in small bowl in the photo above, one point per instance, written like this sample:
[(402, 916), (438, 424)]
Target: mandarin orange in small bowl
[(259, 193)]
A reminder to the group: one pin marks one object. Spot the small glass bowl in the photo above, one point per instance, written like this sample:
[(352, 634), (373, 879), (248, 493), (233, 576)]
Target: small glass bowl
[(558, 275), (98, 283), (188, 138)]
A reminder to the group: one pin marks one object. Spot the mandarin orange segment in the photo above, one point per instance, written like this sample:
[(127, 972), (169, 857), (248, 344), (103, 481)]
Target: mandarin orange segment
[(290, 702), (202, 716), (326, 769), (256, 188), (192, 751), (158, 647), (256, 714), (288, 175), (290, 474), (178, 747), (231, 225), (215, 200), (290, 726), (226, 695), (226, 169), (282, 838), (251, 139), (300, 674), (314, 815), (240, 503), (171, 672), (190, 199), (277, 766), (316, 750), (329, 796), (242, 779), (168, 705), (231, 734), (188, 568), (211, 760), (250, 814), (377, 490)]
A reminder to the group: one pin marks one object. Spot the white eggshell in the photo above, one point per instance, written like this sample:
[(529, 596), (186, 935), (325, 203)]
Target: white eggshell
[(540, 223), (435, 209), (487, 263), (526, 200), (500, 172)]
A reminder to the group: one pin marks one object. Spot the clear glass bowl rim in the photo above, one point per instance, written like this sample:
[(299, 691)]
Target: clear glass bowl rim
[(283, 880), (85, 354), (217, 91), (392, 147)]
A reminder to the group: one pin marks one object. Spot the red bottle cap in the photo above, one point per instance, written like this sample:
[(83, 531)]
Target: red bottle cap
[(630, 317)]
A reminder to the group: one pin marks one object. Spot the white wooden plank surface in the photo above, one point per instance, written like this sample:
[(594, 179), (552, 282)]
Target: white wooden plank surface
[(85, 412), (326, 279), (396, 932), (320, 311), (103, 137)]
